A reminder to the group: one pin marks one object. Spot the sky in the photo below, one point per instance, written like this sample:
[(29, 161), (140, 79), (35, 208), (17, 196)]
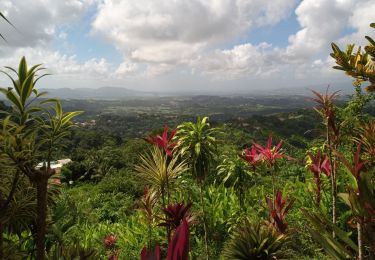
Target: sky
[(183, 45)]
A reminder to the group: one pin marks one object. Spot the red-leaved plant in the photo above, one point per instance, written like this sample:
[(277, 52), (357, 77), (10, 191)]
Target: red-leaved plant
[(149, 254), (164, 142), (175, 214), (360, 197), (251, 156), (178, 247), (270, 154), (278, 210), (319, 163)]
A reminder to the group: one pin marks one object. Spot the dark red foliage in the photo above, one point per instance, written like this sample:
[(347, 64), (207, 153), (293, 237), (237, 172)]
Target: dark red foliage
[(326, 109), (278, 210), (113, 257), (357, 166), (149, 254), (319, 163), (270, 154), (251, 156), (178, 248), (369, 209), (163, 142), (175, 214)]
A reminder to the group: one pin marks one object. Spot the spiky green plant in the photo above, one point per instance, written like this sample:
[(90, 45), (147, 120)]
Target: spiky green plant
[(197, 143), (156, 170), (255, 241)]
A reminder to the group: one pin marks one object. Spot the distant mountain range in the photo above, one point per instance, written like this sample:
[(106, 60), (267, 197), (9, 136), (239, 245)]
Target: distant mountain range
[(118, 93), (105, 93)]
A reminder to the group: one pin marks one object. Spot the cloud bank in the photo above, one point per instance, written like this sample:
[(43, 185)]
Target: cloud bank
[(203, 41)]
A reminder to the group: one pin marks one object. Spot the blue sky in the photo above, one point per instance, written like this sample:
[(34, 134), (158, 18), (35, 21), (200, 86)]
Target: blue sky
[(81, 43), (197, 45)]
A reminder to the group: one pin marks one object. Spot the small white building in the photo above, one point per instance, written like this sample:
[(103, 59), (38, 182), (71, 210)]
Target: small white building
[(57, 165)]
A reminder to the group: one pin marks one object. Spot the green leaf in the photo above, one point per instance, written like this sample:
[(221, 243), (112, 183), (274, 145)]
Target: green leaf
[(50, 100), (22, 70), (15, 84), (38, 78), (27, 87), (15, 100), (197, 148), (3, 16), (69, 116)]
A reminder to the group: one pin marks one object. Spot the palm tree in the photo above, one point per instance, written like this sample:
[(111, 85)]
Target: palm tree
[(31, 132), (197, 143)]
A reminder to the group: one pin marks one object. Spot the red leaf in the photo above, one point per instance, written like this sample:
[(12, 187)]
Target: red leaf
[(149, 255), (164, 142), (270, 154), (178, 248)]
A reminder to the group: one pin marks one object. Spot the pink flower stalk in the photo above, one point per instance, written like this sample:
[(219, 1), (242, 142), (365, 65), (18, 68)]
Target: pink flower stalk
[(110, 241), (163, 142)]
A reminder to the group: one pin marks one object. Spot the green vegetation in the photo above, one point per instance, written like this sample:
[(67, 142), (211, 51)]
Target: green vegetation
[(216, 187)]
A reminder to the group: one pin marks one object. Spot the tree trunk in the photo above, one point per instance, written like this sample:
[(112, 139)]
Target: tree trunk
[(334, 194), (241, 197), (360, 239), (333, 177), (41, 188), (318, 190), (1, 241), (204, 220)]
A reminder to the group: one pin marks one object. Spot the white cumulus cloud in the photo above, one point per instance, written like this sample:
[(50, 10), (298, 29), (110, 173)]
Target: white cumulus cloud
[(177, 32)]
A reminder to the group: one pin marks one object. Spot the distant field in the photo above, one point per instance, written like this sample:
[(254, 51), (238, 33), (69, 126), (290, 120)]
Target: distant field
[(218, 107)]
